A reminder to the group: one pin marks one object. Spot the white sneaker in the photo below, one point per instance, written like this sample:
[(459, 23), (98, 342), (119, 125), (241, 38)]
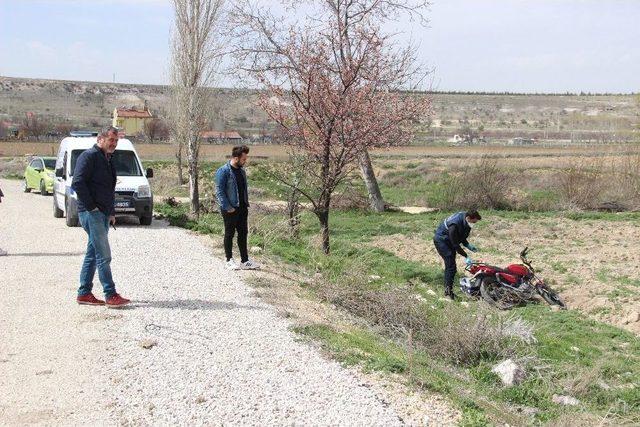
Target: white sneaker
[(232, 265), (249, 265)]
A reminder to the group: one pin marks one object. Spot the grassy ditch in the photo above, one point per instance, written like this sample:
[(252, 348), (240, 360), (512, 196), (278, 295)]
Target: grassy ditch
[(445, 347)]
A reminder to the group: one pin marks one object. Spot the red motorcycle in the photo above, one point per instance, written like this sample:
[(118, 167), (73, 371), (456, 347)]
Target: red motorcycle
[(505, 288)]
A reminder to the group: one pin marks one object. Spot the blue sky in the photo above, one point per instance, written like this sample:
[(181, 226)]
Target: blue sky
[(486, 45)]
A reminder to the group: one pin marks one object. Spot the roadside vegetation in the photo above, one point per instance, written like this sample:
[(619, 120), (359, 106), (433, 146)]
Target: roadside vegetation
[(405, 327), (380, 272)]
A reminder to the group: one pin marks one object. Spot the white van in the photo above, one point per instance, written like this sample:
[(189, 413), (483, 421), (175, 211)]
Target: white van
[(133, 193)]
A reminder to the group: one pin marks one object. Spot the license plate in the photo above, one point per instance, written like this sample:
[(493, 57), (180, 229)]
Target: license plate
[(123, 205)]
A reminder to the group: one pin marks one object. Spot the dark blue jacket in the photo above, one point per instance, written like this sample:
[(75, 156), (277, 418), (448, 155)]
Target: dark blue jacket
[(94, 181), (454, 231)]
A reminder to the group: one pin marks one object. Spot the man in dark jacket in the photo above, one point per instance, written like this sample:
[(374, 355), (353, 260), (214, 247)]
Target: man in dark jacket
[(94, 181), (232, 192), (450, 236)]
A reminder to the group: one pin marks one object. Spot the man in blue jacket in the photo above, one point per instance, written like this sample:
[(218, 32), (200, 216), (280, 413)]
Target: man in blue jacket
[(94, 181), (232, 192), (450, 235)]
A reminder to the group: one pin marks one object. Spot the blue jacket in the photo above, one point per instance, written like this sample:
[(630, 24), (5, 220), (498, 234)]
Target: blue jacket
[(94, 181), (454, 231), (227, 188)]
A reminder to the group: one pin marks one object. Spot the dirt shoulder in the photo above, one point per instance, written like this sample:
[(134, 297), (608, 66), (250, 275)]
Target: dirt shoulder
[(595, 264)]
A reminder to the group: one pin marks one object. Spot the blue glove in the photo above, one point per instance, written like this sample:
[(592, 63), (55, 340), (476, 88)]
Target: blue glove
[(472, 247), (468, 261)]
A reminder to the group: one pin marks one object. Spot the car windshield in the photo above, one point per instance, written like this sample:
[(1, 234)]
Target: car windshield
[(126, 163), (50, 163), (124, 160), (74, 158)]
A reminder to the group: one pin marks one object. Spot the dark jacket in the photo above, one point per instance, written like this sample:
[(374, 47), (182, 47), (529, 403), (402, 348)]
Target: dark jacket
[(94, 181), (227, 188), (454, 230)]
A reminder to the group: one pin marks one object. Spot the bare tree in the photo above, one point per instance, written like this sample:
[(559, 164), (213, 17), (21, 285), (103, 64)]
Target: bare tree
[(329, 109), (33, 127), (351, 17), (344, 22), (155, 129), (63, 128), (195, 52)]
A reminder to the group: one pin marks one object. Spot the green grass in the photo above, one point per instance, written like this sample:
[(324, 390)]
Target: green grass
[(606, 352), (558, 267)]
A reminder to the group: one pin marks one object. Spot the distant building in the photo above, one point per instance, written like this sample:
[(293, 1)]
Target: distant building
[(522, 141), (457, 139), (131, 120), (221, 137)]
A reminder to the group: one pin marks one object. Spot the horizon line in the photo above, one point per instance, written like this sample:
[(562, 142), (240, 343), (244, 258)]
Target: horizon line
[(435, 92)]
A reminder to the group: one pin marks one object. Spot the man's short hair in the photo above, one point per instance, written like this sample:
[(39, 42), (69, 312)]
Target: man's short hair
[(474, 214), (106, 131), (239, 150)]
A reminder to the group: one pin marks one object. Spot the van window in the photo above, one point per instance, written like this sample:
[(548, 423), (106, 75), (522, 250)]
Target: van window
[(74, 158), (124, 161)]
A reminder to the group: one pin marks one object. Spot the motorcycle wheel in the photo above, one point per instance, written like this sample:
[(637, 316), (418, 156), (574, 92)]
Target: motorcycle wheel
[(497, 295), (550, 296)]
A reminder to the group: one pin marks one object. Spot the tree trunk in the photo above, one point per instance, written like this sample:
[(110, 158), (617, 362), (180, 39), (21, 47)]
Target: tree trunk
[(376, 201), (323, 216), (194, 194), (293, 210), (179, 158)]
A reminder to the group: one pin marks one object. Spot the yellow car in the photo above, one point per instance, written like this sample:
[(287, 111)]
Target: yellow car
[(40, 174)]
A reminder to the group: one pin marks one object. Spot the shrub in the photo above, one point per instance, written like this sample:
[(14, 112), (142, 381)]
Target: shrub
[(458, 335), (581, 185), (482, 185), (467, 337)]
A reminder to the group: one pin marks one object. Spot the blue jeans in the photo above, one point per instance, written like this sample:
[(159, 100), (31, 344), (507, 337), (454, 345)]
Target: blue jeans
[(96, 224), (448, 254)]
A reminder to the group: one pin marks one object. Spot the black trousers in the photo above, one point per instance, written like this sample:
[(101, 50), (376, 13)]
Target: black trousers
[(448, 255), (236, 221)]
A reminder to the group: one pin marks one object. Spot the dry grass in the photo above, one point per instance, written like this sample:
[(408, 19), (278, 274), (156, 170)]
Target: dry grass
[(465, 337), (582, 185), (483, 185), (460, 336)]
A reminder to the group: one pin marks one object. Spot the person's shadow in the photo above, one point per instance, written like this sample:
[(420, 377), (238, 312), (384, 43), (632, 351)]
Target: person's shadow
[(193, 304), (44, 254)]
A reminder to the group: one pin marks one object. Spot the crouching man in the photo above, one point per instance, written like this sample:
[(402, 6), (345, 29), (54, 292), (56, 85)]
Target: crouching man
[(232, 192), (450, 235), (94, 181)]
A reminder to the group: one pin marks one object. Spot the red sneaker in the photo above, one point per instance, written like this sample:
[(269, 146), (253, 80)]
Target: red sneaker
[(116, 300), (89, 299)]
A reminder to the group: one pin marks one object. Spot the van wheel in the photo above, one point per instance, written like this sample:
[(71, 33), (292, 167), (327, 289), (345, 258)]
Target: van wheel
[(25, 187), (72, 221), (43, 188), (146, 220), (57, 212)]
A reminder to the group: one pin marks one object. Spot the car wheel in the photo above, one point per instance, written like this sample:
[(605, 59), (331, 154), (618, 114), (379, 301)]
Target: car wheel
[(43, 188), (72, 221), (57, 212), (25, 186), (146, 220)]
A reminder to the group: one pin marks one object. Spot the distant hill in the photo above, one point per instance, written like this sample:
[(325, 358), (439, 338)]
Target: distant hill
[(552, 116)]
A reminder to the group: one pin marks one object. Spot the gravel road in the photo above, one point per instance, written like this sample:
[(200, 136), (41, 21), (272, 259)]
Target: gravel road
[(217, 355)]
